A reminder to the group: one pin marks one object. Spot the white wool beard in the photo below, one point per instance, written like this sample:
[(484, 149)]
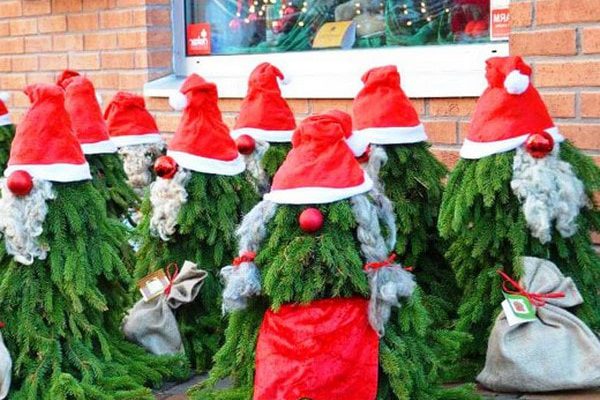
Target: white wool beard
[(167, 196), (22, 219), (549, 191), (137, 163)]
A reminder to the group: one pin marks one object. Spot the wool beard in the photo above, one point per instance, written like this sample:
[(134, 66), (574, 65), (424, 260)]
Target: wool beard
[(137, 163), (22, 219), (167, 196), (549, 192)]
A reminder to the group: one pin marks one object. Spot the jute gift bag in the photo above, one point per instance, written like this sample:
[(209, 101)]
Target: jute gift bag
[(556, 351), (152, 323)]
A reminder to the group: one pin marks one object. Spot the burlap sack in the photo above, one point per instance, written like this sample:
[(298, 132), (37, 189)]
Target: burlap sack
[(152, 324), (555, 352), (5, 368)]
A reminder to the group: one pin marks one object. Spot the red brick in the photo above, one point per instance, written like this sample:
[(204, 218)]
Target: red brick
[(566, 11), (5, 64), (116, 19), (463, 130), (4, 28), (160, 38), (584, 136), (11, 9), (321, 105), (54, 62), (57, 23), (12, 45), (590, 104), (419, 105), (129, 3), (66, 6), (441, 131), (84, 61), (20, 99), (13, 81), (299, 106), (40, 77), (100, 41), (448, 157), (139, 18), (560, 105), (82, 22), (158, 104), (451, 107), (24, 26), (105, 80), (134, 80), (117, 60), (167, 122), (546, 42), (132, 40), (25, 63), (591, 40), (157, 17), (564, 74), (521, 14), (91, 5), (230, 105), (38, 44), (67, 42), (36, 7), (153, 59)]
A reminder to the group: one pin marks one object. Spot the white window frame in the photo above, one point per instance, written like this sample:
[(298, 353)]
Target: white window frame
[(426, 71)]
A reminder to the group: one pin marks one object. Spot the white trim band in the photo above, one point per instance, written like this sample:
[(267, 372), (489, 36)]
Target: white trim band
[(132, 140), (358, 144), (316, 194), (208, 165), (103, 147), (475, 150), (394, 134), (5, 120), (60, 172), (264, 134)]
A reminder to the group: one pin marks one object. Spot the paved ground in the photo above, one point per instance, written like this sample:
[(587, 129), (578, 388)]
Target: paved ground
[(177, 392)]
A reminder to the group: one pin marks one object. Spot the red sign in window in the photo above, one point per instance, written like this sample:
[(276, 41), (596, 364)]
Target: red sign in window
[(198, 39), (500, 24)]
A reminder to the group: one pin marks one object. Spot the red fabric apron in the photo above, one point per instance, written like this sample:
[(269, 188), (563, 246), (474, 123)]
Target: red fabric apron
[(325, 350)]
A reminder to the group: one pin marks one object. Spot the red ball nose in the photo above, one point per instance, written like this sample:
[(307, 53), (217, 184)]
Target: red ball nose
[(165, 167), (311, 220), (20, 183), (539, 145), (246, 144)]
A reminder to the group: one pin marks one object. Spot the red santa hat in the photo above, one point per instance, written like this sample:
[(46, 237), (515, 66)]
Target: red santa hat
[(129, 122), (202, 142), (383, 113), (86, 115), (264, 114), (320, 168), (507, 112), (4, 114), (44, 144)]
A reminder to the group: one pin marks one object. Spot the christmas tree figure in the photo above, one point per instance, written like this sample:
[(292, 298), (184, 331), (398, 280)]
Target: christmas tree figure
[(7, 131), (134, 131), (90, 129), (312, 321), (264, 127), (520, 189), (63, 285), (199, 197)]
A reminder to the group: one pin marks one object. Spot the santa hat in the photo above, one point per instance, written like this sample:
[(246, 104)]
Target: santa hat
[(264, 114), (4, 114), (129, 122), (86, 115), (507, 112), (383, 113), (202, 142), (320, 168), (44, 144)]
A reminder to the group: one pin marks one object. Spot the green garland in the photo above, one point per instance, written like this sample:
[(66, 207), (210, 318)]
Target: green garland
[(63, 314), (7, 132), (205, 236), (274, 157), (483, 220), (299, 268)]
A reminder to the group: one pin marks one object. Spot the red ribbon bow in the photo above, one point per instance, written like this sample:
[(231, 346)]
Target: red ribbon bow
[(247, 256), (537, 299), (171, 277), (380, 264)]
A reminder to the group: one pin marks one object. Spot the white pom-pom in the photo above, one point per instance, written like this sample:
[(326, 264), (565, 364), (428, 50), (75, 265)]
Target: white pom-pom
[(4, 96), (286, 80), (99, 98), (358, 144), (516, 82), (178, 101)]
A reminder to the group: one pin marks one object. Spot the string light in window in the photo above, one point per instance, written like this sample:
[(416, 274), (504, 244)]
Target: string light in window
[(408, 23), (301, 23)]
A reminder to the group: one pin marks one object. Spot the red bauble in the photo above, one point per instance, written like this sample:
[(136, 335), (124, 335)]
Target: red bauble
[(539, 145), (165, 167), (311, 220), (246, 144), (20, 183)]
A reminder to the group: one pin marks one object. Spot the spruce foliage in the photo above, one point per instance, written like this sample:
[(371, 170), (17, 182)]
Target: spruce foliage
[(297, 267), (110, 180), (7, 132), (206, 236), (63, 314), (483, 220), (274, 157)]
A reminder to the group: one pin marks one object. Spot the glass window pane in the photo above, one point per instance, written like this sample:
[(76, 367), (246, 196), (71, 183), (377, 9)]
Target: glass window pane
[(264, 26)]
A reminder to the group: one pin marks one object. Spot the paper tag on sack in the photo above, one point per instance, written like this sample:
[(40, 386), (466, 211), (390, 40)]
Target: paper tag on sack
[(518, 309), (153, 285), (335, 35)]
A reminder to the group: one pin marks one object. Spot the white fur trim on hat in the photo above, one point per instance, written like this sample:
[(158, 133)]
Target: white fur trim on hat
[(394, 134), (132, 140), (358, 144), (317, 195), (516, 82), (264, 135), (103, 147), (208, 165), (5, 120), (178, 101), (476, 150), (60, 172)]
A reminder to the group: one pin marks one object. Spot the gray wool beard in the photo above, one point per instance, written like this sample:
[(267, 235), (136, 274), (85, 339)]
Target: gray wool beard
[(137, 162), (253, 165), (167, 196)]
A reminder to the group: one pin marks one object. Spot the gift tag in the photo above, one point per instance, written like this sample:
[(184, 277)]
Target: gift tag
[(335, 35), (518, 309), (153, 285)]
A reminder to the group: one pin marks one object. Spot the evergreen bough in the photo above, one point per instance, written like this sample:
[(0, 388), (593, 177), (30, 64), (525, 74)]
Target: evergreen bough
[(482, 219), (205, 236), (63, 314), (274, 157), (7, 132)]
